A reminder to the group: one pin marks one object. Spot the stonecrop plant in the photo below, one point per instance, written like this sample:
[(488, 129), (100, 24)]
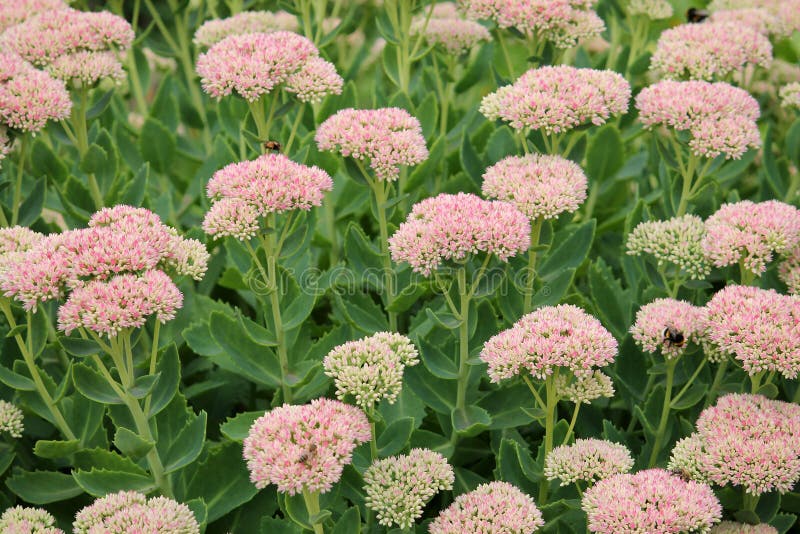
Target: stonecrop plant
[(399, 266)]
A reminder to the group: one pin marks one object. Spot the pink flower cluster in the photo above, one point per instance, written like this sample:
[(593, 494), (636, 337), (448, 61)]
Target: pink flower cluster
[(371, 369), (20, 520), (790, 95), (304, 447), (73, 44), (449, 30), (452, 227), (14, 241), (557, 99), (29, 97), (272, 183), (120, 255), (213, 31), (678, 241), (710, 50), (128, 512), (721, 118), (653, 500), (563, 22), (585, 388), (750, 233), (255, 64), (759, 327), (13, 13), (549, 338), (387, 137), (587, 460), (729, 527), (744, 440), (538, 185), (125, 301), (655, 320), (652, 9), (759, 19), (789, 270), (493, 508), (787, 11), (398, 487)]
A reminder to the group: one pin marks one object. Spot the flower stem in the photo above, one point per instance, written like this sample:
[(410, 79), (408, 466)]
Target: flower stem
[(689, 382), (746, 276), (80, 129), (749, 502), (23, 156), (715, 385), (688, 176), (280, 335), (549, 429), (153, 361), (572, 423), (380, 191), (41, 389), (662, 424), (463, 339), (536, 229), (297, 120), (311, 499)]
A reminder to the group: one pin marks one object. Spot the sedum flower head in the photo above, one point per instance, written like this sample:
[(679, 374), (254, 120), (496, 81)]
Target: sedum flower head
[(304, 447), (11, 419), (652, 9), (254, 64), (745, 440), (129, 511), (398, 487), (789, 270), (14, 242), (677, 241), (452, 227), (720, 118), (729, 527), (272, 183), (653, 500), (787, 11), (16, 12), (493, 508), (584, 389), (563, 22), (707, 51), (759, 19), (587, 460), (759, 327), (371, 368), (663, 319), (449, 30), (538, 185), (790, 95), (125, 301), (387, 137), (549, 338), (73, 44), (214, 31), (686, 457), (557, 99), (29, 97), (20, 520), (751, 233), (315, 80)]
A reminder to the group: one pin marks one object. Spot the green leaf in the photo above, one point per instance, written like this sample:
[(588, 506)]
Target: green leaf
[(98, 458), (349, 522), (227, 492), (470, 161), (45, 162), (92, 385), (446, 320), (571, 246), (390, 66), (31, 207), (187, 445), (695, 394), (361, 254), (271, 525), (612, 303), (438, 394), (501, 143), (505, 405), (132, 193), (470, 421), (251, 360), (438, 363), (55, 449), (362, 313), (100, 482), (395, 436), (16, 380), (168, 369), (131, 444), (238, 426), (143, 385), (516, 466), (43, 487), (605, 154), (78, 346), (157, 145), (99, 106), (428, 113)]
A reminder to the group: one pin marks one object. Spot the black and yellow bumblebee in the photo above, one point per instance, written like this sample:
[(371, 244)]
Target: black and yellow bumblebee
[(695, 15), (272, 145), (673, 337), (304, 457)]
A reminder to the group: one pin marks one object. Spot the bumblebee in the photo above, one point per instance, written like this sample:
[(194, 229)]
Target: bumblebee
[(695, 15), (304, 457), (685, 475), (673, 337), (272, 145)]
